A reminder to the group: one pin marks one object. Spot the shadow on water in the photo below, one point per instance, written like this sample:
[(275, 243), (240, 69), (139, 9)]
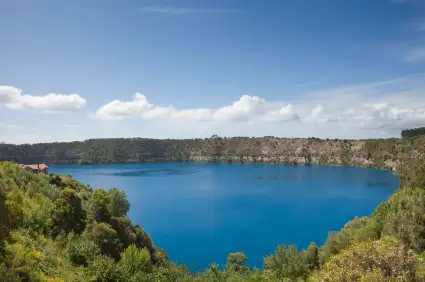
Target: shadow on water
[(277, 177), (377, 183), (149, 172)]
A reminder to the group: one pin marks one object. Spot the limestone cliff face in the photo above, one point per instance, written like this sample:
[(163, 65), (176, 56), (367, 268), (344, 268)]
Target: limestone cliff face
[(295, 151), (378, 153)]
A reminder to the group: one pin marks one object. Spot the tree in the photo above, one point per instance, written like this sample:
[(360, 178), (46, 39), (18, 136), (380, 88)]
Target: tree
[(236, 261), (287, 262), (55, 180), (99, 206), (106, 238), (142, 239), (124, 229), (4, 218), (119, 205), (134, 262), (81, 251), (67, 214), (310, 257), (413, 132), (14, 203), (159, 257)]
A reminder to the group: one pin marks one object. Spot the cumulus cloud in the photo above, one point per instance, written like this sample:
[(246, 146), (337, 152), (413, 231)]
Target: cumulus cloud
[(387, 106), (13, 98), (285, 113), (245, 109)]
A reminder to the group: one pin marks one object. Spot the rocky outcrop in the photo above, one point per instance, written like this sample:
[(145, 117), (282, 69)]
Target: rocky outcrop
[(298, 151), (378, 153)]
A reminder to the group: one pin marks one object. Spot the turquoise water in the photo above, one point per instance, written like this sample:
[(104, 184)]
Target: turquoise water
[(199, 213)]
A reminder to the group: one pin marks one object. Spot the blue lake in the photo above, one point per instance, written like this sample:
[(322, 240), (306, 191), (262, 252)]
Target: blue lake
[(199, 213)]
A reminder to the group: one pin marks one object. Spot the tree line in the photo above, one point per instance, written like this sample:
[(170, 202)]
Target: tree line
[(420, 131)]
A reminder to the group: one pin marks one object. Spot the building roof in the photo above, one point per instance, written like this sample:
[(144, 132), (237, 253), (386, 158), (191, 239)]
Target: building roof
[(34, 166)]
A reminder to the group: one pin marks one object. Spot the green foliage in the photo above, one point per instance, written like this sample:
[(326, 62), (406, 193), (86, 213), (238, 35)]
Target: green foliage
[(135, 263), (377, 153), (287, 262), (385, 260), (124, 229), (4, 218), (67, 214), (14, 204), (414, 176), (142, 239), (160, 257), (54, 228), (379, 216), (119, 205), (405, 218), (99, 206), (310, 256), (413, 132), (106, 238), (37, 213), (236, 261), (357, 230), (104, 269), (81, 251)]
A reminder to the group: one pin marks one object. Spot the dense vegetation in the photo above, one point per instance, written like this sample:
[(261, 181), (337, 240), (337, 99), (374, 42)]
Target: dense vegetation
[(413, 132), (53, 228), (379, 153)]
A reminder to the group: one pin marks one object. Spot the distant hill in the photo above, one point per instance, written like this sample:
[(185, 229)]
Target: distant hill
[(377, 153)]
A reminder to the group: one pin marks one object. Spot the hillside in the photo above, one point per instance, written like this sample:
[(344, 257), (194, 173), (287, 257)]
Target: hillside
[(379, 153), (53, 228)]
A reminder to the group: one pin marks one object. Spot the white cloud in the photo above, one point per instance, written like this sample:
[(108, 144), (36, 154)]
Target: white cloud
[(13, 98), (384, 106), (285, 113), (245, 109)]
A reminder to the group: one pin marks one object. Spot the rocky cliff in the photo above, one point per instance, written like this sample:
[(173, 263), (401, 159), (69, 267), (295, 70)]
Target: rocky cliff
[(378, 153)]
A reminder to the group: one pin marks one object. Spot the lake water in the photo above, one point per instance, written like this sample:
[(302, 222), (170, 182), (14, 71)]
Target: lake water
[(199, 213)]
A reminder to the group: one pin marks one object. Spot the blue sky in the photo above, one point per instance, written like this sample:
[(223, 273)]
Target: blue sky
[(72, 70)]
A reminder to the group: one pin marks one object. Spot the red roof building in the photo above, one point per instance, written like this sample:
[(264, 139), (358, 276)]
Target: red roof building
[(36, 168)]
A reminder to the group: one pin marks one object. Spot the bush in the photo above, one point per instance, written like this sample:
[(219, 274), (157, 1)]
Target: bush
[(119, 205), (385, 259), (67, 214), (81, 251), (99, 206), (287, 262), (4, 218), (104, 269), (236, 261), (357, 230), (106, 238), (135, 263), (405, 218)]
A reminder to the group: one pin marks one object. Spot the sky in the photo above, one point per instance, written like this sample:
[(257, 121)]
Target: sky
[(79, 69)]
